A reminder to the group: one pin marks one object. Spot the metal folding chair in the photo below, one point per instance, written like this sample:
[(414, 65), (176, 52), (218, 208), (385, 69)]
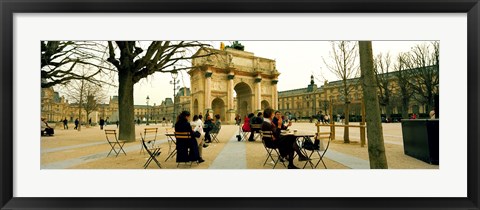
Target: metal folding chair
[(180, 138), (243, 134), (152, 151), (321, 150), (170, 133), (150, 131), (267, 140), (112, 140), (214, 134), (256, 129)]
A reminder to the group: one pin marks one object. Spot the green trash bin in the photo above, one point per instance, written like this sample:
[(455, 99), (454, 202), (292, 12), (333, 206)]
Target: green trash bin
[(420, 139)]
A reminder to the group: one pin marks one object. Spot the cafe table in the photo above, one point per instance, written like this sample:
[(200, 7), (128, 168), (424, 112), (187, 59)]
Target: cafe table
[(301, 137)]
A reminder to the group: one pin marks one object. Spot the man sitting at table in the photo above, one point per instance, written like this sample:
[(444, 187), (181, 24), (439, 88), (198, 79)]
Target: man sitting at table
[(283, 143)]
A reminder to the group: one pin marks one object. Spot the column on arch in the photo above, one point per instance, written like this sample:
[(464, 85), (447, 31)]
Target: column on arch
[(230, 111), (258, 92), (230, 90), (208, 82), (274, 94)]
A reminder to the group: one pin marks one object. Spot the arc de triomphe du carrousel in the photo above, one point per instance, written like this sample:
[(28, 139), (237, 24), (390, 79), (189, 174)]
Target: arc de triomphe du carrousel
[(232, 82)]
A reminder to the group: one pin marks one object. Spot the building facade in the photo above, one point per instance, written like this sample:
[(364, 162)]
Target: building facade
[(313, 100)]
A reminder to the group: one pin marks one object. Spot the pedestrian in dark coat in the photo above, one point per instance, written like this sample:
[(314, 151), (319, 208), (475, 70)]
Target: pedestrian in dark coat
[(102, 122), (76, 124), (65, 124)]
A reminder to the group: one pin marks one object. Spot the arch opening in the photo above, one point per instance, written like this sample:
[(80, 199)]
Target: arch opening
[(244, 99)]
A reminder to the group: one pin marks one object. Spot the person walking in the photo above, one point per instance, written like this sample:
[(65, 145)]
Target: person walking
[(76, 124), (65, 123), (102, 122), (90, 121), (117, 123)]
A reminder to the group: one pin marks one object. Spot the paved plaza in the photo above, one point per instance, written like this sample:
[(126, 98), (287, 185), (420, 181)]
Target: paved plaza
[(88, 149)]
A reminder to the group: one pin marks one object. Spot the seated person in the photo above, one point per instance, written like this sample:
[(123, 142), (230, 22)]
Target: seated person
[(187, 150), (237, 120), (246, 123), (255, 120), (278, 121), (278, 115), (197, 125), (45, 127), (283, 143), (217, 125), (208, 126)]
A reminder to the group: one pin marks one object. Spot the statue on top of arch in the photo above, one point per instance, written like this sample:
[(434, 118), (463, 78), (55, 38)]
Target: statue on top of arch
[(236, 45)]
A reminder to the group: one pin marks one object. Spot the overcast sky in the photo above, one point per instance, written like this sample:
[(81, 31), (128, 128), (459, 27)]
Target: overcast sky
[(295, 60)]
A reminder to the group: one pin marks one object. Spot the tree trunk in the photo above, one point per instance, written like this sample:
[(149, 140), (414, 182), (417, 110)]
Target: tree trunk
[(86, 119), (346, 133), (80, 107), (376, 147), (388, 104), (405, 105), (125, 108), (388, 111)]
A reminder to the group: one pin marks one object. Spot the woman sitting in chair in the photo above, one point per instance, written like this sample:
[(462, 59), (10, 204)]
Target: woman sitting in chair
[(246, 124), (46, 129), (187, 149)]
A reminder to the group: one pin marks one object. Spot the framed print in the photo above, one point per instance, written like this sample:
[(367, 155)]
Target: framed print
[(237, 62)]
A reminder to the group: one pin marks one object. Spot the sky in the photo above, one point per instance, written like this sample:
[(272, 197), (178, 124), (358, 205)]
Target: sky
[(295, 60)]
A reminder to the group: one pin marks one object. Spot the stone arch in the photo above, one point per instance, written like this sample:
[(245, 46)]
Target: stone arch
[(244, 98), (265, 104), (228, 73), (218, 107)]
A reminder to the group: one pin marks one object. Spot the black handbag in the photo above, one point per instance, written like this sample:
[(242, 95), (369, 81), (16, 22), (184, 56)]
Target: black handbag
[(309, 145), (196, 134)]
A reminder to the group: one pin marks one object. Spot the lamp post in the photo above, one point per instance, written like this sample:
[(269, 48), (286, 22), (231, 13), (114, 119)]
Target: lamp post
[(174, 82), (148, 100), (154, 113)]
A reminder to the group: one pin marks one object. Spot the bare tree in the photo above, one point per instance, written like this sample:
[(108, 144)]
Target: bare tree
[(376, 146), (134, 63), (382, 67), (403, 76), (60, 58), (94, 96), (345, 66), (84, 94), (424, 62)]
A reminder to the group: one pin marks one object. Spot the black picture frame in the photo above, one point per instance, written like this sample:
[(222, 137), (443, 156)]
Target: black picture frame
[(9, 7)]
